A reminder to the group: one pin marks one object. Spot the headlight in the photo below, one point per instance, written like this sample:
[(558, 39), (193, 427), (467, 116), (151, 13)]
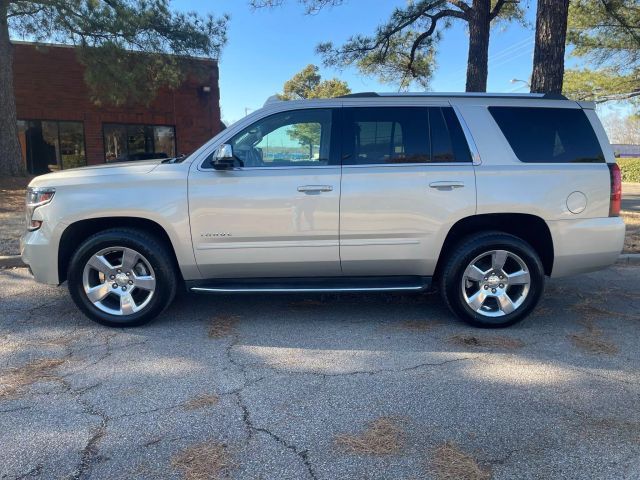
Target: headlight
[(36, 197)]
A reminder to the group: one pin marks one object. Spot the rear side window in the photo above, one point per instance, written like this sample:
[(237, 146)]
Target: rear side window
[(400, 135), (548, 135)]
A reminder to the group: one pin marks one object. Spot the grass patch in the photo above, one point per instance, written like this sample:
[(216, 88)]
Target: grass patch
[(497, 341), (203, 400), (630, 169), (13, 381), (383, 436), (632, 233), (223, 325), (204, 461), (592, 339), (451, 463)]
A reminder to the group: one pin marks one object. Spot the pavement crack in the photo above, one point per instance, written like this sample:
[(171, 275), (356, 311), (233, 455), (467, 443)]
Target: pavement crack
[(34, 472)]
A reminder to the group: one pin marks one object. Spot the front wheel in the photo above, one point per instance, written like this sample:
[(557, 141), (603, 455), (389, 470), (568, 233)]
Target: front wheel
[(492, 280), (122, 277)]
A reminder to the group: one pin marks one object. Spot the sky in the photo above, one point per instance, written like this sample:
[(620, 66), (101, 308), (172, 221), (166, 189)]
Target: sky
[(266, 47)]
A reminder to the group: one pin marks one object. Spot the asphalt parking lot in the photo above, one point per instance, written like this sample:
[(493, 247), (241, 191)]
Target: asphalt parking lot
[(322, 387)]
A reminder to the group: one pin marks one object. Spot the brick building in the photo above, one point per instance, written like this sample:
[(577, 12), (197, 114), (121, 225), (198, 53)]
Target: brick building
[(59, 126)]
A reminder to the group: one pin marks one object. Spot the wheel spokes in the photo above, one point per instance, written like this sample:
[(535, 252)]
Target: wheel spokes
[(129, 259), (506, 304), (498, 259), (146, 282), (101, 264), (127, 304), (474, 273), (519, 278), (99, 292), (477, 300)]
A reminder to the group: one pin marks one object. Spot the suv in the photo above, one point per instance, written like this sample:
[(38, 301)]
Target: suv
[(481, 195)]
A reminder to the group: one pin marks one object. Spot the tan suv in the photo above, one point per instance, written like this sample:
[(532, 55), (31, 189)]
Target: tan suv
[(480, 195)]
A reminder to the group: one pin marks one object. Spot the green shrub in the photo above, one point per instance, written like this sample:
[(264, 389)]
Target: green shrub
[(630, 168)]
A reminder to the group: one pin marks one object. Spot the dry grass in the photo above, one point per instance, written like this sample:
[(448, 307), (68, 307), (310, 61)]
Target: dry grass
[(451, 463), (204, 461), (495, 341), (383, 436), (592, 339), (12, 193), (13, 381), (223, 325), (203, 400), (632, 237)]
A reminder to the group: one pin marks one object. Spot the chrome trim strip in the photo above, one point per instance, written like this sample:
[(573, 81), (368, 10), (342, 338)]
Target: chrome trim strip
[(386, 165), (229, 244), (368, 243), (303, 290), (475, 153)]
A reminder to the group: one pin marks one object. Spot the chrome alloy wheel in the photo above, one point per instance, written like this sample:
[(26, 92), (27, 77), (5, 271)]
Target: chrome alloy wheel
[(496, 283), (119, 281)]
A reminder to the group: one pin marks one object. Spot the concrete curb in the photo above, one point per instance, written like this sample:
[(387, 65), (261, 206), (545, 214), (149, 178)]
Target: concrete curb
[(15, 261), (11, 261), (629, 259)]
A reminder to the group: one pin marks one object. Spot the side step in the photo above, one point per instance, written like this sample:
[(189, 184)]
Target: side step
[(311, 284)]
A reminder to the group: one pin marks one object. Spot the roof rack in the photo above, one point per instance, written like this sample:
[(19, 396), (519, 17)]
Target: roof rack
[(547, 96)]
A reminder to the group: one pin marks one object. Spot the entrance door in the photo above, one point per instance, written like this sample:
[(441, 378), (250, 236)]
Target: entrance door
[(276, 213)]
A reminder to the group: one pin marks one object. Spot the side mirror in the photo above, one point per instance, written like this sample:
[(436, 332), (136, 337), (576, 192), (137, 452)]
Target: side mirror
[(223, 158)]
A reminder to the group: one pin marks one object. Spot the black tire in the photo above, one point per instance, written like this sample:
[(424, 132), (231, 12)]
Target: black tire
[(461, 256), (155, 252)]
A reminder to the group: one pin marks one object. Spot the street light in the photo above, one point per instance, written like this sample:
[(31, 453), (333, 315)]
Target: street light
[(517, 80)]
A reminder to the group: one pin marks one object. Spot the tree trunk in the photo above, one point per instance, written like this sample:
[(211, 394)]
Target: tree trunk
[(11, 163), (548, 56), (478, 59)]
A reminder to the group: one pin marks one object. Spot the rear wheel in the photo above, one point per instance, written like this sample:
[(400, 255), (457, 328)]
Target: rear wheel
[(492, 280), (122, 277)]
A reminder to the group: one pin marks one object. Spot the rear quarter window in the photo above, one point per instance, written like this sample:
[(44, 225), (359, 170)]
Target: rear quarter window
[(548, 135)]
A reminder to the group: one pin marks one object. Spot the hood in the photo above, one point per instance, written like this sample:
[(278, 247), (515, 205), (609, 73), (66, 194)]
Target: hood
[(134, 167)]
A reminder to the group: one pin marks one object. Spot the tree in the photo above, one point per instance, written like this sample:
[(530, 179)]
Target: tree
[(606, 34), (548, 55), (308, 83), (130, 49), (402, 50), (624, 129)]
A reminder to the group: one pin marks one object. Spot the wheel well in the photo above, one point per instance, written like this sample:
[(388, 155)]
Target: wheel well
[(530, 228), (78, 232)]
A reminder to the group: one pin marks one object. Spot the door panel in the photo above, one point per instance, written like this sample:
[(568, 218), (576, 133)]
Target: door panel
[(255, 222), (393, 223)]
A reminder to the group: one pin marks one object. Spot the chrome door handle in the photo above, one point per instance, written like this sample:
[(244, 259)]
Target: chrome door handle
[(315, 188), (446, 185)]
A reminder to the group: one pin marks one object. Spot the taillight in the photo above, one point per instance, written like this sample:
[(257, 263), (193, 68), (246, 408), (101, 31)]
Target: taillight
[(616, 189)]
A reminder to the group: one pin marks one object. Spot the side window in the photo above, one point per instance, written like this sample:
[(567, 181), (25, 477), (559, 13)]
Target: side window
[(448, 142), (396, 135), (386, 135), (548, 135), (289, 139)]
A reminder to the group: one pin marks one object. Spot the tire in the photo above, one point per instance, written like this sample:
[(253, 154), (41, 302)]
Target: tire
[(126, 291), (475, 291)]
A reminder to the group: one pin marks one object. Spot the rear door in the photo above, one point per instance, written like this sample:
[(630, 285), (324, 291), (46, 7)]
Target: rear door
[(407, 176)]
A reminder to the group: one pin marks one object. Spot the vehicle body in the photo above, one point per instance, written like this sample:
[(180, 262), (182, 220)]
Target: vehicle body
[(380, 192)]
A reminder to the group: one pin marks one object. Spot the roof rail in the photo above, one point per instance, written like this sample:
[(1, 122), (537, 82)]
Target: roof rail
[(547, 96)]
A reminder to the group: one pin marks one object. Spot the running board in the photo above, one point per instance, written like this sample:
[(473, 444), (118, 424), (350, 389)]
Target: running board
[(312, 284)]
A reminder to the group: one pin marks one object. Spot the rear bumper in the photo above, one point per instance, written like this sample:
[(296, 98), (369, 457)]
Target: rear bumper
[(585, 245)]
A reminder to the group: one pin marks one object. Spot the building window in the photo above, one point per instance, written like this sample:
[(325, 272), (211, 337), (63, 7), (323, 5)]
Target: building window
[(50, 145), (138, 142)]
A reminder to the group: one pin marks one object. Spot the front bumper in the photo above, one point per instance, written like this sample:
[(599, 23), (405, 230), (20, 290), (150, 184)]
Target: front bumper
[(41, 255), (587, 245)]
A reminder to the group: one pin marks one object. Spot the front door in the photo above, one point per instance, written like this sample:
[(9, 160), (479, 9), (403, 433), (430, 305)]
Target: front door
[(407, 177), (277, 213)]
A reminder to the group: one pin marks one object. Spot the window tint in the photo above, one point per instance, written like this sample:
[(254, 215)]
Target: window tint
[(289, 139), (398, 135), (555, 135)]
